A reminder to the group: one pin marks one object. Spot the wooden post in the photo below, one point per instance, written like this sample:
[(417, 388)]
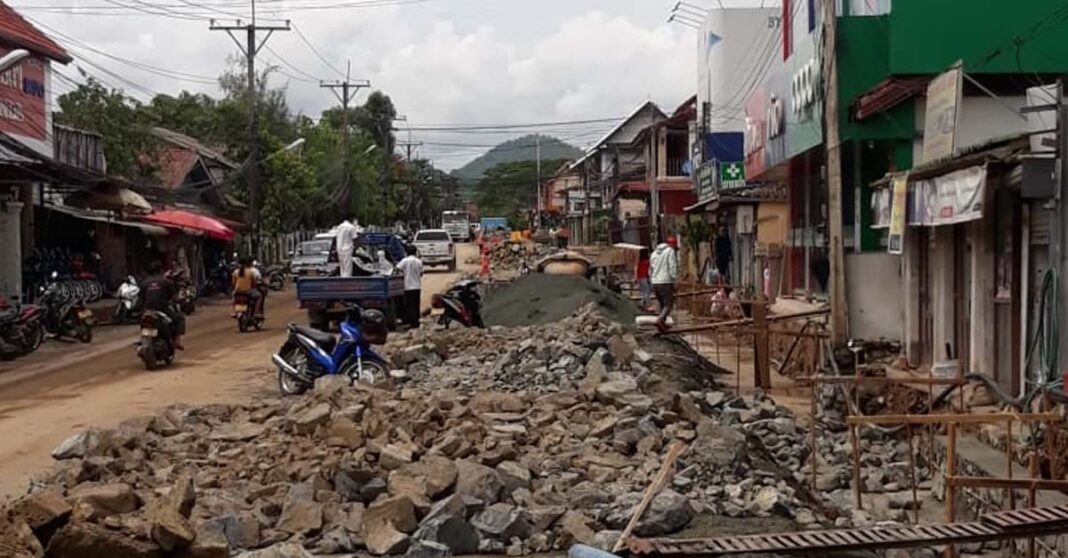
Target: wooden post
[(857, 488), (839, 303), (1032, 495), (912, 472), (761, 366), (1011, 460), (812, 437), (951, 471), (737, 364)]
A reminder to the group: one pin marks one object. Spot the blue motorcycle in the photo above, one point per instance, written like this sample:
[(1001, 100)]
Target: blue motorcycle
[(309, 354)]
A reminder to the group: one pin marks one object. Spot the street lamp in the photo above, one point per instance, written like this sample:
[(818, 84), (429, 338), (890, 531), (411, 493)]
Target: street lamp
[(14, 57)]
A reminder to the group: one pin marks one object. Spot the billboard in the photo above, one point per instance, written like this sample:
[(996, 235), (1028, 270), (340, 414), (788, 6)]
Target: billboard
[(24, 92)]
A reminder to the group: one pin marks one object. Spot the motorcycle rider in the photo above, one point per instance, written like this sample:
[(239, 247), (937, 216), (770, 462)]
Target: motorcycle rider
[(160, 294), (246, 279)]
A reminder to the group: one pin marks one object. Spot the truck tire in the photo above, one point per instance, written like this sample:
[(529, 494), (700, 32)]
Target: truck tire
[(452, 264)]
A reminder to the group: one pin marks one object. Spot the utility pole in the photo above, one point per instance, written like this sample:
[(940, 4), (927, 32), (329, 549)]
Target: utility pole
[(1060, 223), (250, 49), (537, 149), (408, 145), (839, 302), (348, 89)]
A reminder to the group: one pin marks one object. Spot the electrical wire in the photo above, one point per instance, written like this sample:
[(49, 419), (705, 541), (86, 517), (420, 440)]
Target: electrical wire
[(316, 52)]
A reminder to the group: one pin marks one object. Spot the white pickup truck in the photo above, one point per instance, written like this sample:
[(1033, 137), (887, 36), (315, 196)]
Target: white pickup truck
[(435, 247)]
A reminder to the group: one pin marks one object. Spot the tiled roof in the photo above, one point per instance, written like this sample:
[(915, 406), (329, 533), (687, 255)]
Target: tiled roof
[(22, 34)]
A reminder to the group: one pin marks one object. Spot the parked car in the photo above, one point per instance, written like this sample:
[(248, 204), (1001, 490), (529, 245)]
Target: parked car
[(435, 247), (314, 257)]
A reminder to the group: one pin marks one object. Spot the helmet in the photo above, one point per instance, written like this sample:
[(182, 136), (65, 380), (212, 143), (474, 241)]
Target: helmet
[(373, 326), (673, 241)]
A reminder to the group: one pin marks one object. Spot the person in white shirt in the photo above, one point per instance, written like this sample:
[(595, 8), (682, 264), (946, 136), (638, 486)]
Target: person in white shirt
[(346, 245), (412, 267)]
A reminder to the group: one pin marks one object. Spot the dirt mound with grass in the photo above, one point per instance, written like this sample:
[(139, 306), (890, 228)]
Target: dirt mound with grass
[(540, 299)]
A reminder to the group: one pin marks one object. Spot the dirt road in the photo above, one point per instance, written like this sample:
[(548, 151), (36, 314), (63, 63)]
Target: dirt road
[(64, 388)]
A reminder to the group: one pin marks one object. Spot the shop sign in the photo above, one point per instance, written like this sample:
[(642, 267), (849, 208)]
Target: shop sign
[(731, 175), (898, 209), (941, 115), (22, 99), (706, 181), (952, 198), (755, 134), (776, 118), (804, 121), (806, 83)]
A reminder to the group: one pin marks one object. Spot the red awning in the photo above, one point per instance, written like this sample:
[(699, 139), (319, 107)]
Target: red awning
[(186, 220)]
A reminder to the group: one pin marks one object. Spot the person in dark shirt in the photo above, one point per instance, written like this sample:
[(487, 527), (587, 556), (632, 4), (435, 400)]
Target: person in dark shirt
[(724, 254), (158, 294)]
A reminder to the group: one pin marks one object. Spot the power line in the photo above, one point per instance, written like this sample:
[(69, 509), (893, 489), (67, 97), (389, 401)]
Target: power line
[(316, 52), (481, 127)]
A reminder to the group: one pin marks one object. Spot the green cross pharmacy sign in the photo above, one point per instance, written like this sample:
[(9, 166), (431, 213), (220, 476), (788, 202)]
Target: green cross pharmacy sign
[(731, 174)]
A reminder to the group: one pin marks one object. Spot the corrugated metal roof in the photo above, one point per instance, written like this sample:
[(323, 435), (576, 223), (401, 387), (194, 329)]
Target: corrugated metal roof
[(21, 33)]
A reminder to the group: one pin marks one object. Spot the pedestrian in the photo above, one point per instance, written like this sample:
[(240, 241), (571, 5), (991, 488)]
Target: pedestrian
[(412, 267), (641, 274), (665, 271), (346, 245), (724, 254)]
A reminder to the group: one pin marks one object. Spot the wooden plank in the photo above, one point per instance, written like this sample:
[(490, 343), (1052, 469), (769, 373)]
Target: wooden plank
[(951, 418), (822, 379), (658, 484), (1001, 482)]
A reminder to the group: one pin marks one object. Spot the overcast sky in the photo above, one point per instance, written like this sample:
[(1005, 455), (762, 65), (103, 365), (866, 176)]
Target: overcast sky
[(444, 62)]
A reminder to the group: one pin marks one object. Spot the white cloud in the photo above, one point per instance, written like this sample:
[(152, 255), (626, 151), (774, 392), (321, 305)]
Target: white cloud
[(450, 61)]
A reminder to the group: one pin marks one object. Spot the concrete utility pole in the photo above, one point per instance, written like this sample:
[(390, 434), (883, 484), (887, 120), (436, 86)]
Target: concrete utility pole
[(1060, 223), (408, 145), (250, 49), (537, 150), (348, 89), (839, 301)]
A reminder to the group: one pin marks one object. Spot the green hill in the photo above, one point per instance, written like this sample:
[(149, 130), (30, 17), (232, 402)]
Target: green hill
[(519, 149)]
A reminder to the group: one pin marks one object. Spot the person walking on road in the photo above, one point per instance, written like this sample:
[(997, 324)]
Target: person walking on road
[(665, 271), (346, 245), (724, 253), (641, 273), (412, 267)]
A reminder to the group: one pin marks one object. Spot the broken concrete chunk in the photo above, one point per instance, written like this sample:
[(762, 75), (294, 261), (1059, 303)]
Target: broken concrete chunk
[(477, 481), (301, 513)]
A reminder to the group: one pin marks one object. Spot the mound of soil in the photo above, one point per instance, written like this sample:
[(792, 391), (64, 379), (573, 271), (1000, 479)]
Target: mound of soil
[(541, 299)]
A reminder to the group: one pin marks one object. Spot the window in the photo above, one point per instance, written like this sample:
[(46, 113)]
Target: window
[(432, 236)]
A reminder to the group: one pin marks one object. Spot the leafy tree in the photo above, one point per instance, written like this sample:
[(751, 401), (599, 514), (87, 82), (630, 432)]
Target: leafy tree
[(117, 117), (510, 189)]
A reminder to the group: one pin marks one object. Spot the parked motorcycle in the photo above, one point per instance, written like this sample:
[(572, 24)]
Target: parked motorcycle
[(309, 353), (128, 308), (219, 279), (66, 316), (187, 292), (21, 329), (156, 346), (461, 304), (244, 308), (275, 277)]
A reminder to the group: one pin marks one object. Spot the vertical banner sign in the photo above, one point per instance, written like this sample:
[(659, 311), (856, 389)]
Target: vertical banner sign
[(900, 188), (942, 114)]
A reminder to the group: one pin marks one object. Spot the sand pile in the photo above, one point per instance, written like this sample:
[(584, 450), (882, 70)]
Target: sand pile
[(541, 299)]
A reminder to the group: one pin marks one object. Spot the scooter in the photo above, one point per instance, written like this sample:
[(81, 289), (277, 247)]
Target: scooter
[(244, 308), (66, 316), (309, 353), (461, 304), (187, 292), (156, 345), (21, 329), (129, 307)]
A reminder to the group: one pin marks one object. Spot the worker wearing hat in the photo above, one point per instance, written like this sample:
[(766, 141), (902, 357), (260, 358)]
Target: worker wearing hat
[(665, 271)]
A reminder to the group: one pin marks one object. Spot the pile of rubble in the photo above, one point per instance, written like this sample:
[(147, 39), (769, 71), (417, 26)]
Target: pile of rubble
[(426, 472), (510, 256), (548, 358)]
